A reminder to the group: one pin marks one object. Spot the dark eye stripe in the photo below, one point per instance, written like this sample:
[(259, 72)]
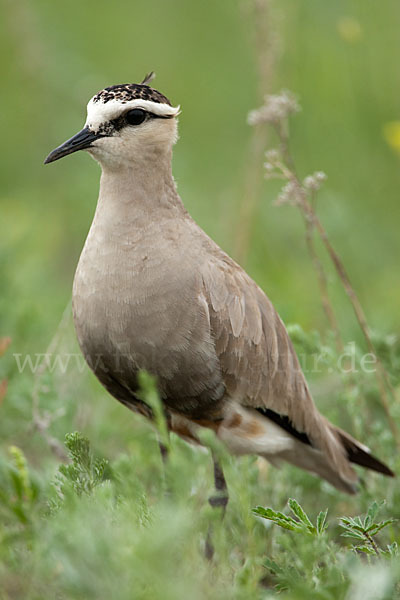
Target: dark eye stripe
[(120, 122), (151, 115)]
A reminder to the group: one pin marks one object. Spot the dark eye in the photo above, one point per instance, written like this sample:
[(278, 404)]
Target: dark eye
[(135, 116)]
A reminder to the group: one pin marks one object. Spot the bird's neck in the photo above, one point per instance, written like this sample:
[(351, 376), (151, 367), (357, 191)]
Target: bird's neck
[(139, 191)]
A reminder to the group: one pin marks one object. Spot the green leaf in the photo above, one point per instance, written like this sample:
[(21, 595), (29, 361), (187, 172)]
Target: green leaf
[(273, 566), (86, 472), (372, 513), (375, 527), (357, 523), (17, 484), (353, 534), (20, 513), (321, 521), (366, 549), (301, 514), (78, 449), (350, 532), (392, 549), (148, 392), (352, 524), (20, 475), (278, 518)]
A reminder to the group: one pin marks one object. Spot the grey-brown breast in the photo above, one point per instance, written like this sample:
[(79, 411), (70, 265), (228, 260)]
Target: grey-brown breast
[(140, 306)]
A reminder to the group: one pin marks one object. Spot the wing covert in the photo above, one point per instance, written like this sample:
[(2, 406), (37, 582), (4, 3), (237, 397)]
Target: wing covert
[(257, 359)]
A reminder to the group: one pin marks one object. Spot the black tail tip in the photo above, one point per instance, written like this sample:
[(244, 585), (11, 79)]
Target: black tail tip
[(361, 457)]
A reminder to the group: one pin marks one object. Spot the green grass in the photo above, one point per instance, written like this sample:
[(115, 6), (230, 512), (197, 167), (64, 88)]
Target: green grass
[(124, 528), (113, 522)]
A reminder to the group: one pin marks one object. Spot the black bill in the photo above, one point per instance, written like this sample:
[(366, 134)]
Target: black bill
[(80, 141)]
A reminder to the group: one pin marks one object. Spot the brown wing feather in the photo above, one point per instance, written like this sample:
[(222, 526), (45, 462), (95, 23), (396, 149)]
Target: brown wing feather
[(257, 359)]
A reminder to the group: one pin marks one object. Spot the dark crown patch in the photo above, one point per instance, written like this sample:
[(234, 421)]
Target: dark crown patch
[(125, 92)]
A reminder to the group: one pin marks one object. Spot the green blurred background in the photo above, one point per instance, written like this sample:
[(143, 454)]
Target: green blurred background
[(342, 61), (339, 58)]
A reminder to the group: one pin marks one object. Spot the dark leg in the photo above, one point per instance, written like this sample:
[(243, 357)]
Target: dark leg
[(164, 452), (217, 500), (221, 497)]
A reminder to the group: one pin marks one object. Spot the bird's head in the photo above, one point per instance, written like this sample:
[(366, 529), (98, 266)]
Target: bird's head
[(124, 123)]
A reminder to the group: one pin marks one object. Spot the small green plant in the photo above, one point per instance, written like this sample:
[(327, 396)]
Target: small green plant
[(313, 563), (85, 471), (302, 524), (365, 530), (19, 493), (149, 394)]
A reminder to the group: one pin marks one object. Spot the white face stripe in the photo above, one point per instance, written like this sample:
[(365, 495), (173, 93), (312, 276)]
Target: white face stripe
[(99, 113)]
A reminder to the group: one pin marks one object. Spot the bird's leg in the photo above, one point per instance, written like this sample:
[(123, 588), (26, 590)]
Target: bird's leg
[(163, 430), (164, 451), (221, 498), (218, 500), (163, 440)]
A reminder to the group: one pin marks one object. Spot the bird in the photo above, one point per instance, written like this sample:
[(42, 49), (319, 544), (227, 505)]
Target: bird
[(152, 291)]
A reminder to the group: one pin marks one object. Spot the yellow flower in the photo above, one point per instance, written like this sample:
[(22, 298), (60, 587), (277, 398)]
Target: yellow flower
[(391, 133), (349, 29)]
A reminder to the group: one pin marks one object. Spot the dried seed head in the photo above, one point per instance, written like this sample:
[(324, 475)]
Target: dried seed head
[(288, 194), (272, 156), (275, 108), (313, 182)]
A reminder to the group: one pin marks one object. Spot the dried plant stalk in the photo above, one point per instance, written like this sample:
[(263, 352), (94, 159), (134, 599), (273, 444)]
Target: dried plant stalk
[(280, 164), (323, 286), (266, 44), (382, 375)]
